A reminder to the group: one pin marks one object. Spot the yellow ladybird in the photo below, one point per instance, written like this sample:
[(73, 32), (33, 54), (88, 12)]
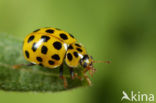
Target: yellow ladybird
[(47, 47), (50, 47)]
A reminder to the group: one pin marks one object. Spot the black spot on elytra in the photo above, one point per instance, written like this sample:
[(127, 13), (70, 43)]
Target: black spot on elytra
[(75, 54), (44, 50), (39, 59), (69, 56), (50, 31), (33, 47), (57, 45), (51, 62), (56, 57), (63, 36), (27, 54), (31, 38), (78, 49), (70, 47), (71, 35), (46, 38), (78, 45), (36, 30)]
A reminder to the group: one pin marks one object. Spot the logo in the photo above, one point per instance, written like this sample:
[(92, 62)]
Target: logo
[(138, 96)]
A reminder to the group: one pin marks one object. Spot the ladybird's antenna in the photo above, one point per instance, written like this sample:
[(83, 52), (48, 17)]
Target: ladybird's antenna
[(107, 62)]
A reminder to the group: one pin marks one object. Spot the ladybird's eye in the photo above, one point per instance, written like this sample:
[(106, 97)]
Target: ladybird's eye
[(85, 65)]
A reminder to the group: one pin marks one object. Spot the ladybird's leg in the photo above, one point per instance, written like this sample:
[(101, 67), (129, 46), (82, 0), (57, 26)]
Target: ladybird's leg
[(62, 77), (19, 65), (91, 71), (72, 73), (65, 82), (76, 76), (61, 71), (87, 78), (30, 64)]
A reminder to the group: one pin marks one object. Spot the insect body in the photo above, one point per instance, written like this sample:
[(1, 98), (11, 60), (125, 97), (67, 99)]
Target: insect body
[(50, 47), (47, 48)]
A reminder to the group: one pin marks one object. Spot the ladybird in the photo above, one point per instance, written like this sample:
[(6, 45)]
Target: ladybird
[(50, 47)]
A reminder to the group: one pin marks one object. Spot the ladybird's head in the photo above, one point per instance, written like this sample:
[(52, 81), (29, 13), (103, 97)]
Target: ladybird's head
[(87, 62)]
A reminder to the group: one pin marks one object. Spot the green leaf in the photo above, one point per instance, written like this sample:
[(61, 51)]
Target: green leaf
[(33, 78)]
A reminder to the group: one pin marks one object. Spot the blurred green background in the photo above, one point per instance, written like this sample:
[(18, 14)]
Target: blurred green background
[(123, 31)]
